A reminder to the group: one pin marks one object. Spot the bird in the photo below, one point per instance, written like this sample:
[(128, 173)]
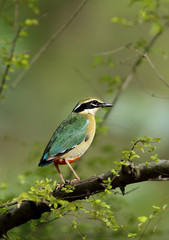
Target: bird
[(73, 136)]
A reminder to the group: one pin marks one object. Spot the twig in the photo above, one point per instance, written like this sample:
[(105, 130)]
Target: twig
[(13, 45), (133, 70), (143, 89), (145, 55), (87, 81), (156, 96), (113, 51), (122, 88), (128, 59), (155, 69), (16, 15), (49, 42), (8, 204)]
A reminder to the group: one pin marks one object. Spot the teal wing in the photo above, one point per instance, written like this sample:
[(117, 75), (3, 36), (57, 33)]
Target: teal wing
[(68, 135)]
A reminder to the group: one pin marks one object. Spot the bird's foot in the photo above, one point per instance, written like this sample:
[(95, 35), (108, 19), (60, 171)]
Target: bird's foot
[(67, 182), (75, 180), (60, 185)]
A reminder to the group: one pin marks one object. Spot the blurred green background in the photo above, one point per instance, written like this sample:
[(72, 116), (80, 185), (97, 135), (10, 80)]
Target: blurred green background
[(63, 75)]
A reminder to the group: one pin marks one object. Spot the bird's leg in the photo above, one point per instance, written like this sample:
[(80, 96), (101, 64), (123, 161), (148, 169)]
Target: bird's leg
[(57, 167), (77, 177)]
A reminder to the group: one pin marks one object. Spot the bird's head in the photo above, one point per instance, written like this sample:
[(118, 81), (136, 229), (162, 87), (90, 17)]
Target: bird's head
[(90, 105)]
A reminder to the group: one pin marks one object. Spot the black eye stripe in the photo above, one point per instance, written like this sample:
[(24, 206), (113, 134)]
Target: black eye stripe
[(95, 102), (87, 105)]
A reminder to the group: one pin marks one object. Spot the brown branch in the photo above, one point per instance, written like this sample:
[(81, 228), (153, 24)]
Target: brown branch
[(17, 216), (133, 173), (116, 50), (49, 42), (127, 175)]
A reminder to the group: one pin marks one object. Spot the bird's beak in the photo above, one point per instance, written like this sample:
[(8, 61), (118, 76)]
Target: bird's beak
[(106, 105)]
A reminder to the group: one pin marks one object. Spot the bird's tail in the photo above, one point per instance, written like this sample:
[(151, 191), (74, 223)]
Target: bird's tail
[(43, 162)]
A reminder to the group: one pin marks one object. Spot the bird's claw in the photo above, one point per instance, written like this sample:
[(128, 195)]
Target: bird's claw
[(74, 180)]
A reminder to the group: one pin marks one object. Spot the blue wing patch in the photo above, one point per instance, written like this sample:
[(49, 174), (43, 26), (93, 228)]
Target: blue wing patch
[(45, 156)]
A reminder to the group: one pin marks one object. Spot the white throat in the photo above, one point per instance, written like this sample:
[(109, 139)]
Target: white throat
[(91, 111)]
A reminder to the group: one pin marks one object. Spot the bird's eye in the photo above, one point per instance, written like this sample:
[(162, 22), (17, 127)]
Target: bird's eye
[(95, 101)]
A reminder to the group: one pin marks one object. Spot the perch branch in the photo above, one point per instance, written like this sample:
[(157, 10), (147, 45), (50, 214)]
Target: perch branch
[(130, 174)]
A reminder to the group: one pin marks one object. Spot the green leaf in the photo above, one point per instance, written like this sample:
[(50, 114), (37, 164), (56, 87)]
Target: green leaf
[(74, 224), (23, 34), (132, 235), (97, 60), (30, 22), (121, 20), (55, 205), (142, 219), (156, 28), (4, 85), (3, 186), (157, 139), (156, 209), (24, 195), (106, 78), (164, 207), (155, 157), (114, 172)]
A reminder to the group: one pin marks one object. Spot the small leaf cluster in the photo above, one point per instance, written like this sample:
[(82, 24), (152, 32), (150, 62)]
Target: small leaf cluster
[(100, 61), (122, 20), (112, 82), (41, 191), (102, 212), (10, 58), (140, 145), (17, 60), (153, 13), (144, 221)]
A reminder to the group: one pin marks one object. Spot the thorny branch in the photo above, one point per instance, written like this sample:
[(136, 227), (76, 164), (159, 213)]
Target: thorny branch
[(133, 173)]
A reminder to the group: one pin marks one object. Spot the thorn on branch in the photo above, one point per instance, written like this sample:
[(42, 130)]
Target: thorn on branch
[(122, 188)]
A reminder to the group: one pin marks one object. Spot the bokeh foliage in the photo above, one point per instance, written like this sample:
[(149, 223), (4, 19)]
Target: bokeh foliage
[(103, 43)]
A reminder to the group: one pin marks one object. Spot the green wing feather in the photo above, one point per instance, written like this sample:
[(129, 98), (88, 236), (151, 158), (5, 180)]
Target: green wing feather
[(70, 133)]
